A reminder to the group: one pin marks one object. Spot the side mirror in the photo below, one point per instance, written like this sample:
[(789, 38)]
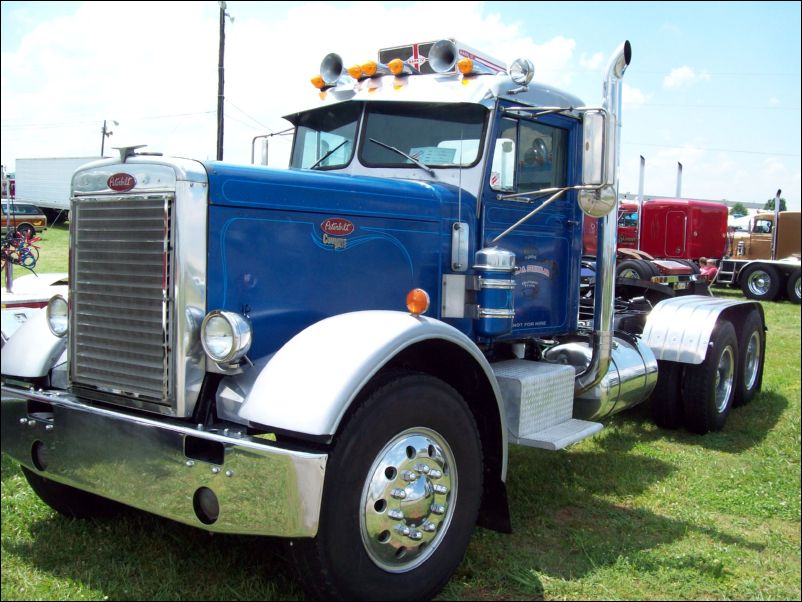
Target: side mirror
[(598, 165), (594, 131)]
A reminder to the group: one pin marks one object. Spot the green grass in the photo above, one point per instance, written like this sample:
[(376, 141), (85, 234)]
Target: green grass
[(53, 252), (635, 513)]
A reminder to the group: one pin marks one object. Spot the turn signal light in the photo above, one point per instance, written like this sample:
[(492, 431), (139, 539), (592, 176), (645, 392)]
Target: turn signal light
[(370, 68), (417, 301), (318, 82)]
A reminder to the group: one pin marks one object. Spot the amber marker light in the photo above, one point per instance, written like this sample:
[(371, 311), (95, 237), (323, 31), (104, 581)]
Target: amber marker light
[(465, 66), (355, 71), (318, 82), (370, 68), (417, 301), (396, 66)]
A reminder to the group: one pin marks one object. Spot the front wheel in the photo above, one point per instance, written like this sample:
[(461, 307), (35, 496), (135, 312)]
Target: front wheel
[(402, 492)]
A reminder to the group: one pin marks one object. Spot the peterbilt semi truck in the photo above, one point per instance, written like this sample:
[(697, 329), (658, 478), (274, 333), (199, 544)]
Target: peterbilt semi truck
[(342, 352)]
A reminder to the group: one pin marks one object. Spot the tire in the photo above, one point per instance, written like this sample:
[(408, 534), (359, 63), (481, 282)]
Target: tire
[(708, 389), (752, 354), (760, 282), (26, 230), (666, 398), (691, 264), (792, 288), (637, 269), (68, 501), (410, 437)]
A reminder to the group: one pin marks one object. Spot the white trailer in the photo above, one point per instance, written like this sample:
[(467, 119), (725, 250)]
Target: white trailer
[(46, 183)]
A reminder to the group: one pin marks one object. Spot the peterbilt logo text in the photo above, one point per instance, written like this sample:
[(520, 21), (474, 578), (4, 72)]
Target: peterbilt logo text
[(337, 226), (121, 182)]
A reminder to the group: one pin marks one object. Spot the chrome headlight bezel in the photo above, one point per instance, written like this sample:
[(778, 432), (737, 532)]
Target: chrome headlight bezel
[(225, 336), (58, 316)]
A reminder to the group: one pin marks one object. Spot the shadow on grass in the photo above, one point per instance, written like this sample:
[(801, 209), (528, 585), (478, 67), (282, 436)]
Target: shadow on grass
[(137, 556), (565, 529), (747, 426)]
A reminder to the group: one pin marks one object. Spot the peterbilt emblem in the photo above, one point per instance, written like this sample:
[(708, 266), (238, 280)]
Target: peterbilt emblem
[(337, 226), (121, 182)]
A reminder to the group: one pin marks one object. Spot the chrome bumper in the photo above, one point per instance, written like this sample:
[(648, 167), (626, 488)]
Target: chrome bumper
[(160, 465)]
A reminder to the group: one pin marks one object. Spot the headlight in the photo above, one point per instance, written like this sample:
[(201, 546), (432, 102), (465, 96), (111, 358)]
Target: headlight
[(57, 315), (522, 71), (226, 336)]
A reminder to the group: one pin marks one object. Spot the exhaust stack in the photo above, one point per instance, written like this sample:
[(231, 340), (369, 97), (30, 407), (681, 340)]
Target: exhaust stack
[(605, 254)]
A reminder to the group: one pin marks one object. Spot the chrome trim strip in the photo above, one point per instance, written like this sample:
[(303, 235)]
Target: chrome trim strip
[(496, 313), (262, 489)]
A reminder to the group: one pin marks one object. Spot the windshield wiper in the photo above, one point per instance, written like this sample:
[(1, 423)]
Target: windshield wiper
[(423, 166), (328, 154)]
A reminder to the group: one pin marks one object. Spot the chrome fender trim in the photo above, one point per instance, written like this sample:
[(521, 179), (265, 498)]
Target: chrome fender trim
[(32, 351), (679, 329), (308, 385)]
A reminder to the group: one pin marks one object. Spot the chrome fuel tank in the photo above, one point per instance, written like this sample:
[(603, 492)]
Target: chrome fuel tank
[(630, 379)]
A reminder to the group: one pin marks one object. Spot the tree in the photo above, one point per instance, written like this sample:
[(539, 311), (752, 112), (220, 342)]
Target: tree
[(739, 210), (770, 205)]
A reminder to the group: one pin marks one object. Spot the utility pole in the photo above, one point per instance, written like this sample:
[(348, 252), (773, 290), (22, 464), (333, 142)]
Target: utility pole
[(106, 133), (221, 78)]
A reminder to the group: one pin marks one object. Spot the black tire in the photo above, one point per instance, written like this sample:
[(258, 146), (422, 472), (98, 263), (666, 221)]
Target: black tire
[(760, 282), (71, 502), (708, 389), (691, 264), (637, 269), (666, 398), (792, 288), (751, 358), (26, 230), (410, 436)]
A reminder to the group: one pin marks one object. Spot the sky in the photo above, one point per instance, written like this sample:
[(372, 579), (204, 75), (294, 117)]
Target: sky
[(712, 85)]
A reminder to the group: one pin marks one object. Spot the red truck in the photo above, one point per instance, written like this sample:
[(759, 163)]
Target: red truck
[(670, 229)]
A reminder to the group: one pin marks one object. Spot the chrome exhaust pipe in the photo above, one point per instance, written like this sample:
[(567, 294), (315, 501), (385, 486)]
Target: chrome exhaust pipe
[(603, 310)]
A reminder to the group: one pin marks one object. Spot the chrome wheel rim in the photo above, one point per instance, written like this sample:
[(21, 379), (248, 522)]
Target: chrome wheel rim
[(408, 500), (752, 361), (724, 378), (759, 282)]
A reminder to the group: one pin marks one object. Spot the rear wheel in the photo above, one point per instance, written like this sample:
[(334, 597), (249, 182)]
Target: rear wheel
[(636, 269), (403, 488), (708, 389), (760, 282), (26, 230), (666, 399), (793, 289), (751, 349)]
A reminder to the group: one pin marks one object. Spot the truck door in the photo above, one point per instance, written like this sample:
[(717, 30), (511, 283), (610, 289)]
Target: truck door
[(676, 234), (528, 156)]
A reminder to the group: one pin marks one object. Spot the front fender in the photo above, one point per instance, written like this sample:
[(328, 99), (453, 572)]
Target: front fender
[(32, 351), (308, 385)]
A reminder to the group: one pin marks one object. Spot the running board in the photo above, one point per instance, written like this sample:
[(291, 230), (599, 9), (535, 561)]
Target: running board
[(561, 435), (538, 402)]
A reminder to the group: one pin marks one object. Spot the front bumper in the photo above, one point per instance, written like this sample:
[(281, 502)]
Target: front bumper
[(159, 465)]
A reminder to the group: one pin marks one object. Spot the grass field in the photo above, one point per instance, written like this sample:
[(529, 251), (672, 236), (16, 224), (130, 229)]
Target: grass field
[(635, 513)]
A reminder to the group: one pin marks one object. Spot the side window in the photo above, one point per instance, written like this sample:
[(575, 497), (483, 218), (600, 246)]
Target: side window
[(529, 156)]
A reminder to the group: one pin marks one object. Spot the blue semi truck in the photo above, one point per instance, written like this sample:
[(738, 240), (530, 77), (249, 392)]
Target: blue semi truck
[(340, 353)]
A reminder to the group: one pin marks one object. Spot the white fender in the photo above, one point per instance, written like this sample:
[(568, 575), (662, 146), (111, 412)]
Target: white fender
[(667, 330), (32, 350), (311, 381)]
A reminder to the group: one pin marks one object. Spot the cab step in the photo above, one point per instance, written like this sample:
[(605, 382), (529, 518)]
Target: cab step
[(538, 399)]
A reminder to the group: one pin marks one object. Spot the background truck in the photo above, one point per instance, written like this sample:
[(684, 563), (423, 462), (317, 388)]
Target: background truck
[(661, 241), (46, 183), (341, 353), (764, 261)]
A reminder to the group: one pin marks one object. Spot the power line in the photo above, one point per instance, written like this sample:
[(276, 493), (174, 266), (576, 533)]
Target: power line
[(92, 121), (722, 150)]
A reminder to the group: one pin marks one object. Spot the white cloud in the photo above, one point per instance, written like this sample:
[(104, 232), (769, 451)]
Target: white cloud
[(593, 62), (632, 98), (684, 76)]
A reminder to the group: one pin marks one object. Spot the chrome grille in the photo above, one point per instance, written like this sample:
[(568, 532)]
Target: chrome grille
[(120, 300)]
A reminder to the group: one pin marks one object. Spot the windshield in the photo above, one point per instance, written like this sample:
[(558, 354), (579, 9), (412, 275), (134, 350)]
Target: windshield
[(324, 139), (436, 135)]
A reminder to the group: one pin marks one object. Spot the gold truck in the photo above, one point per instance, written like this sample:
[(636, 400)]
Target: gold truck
[(764, 261)]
